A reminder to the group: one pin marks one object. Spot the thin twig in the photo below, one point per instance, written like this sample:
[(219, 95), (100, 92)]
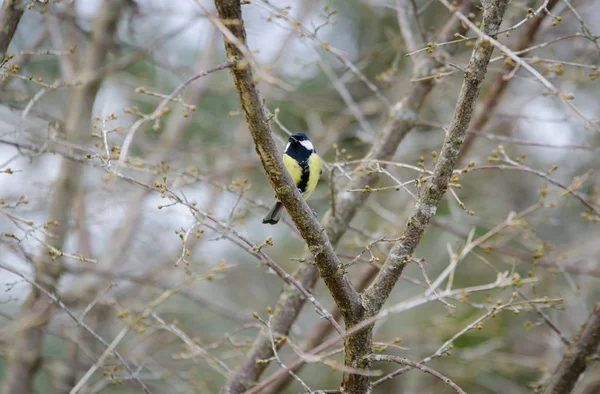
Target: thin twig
[(566, 99), (419, 366), (80, 323), (159, 111)]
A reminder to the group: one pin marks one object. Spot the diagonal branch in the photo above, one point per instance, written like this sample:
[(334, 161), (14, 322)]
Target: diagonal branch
[(404, 23), (426, 206), (401, 120), (584, 344), (10, 15), (341, 288), (495, 92)]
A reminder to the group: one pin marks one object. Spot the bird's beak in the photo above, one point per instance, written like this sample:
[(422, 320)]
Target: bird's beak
[(294, 139)]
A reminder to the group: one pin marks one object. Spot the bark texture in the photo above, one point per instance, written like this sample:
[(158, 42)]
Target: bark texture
[(577, 356), (431, 194), (401, 120), (10, 15)]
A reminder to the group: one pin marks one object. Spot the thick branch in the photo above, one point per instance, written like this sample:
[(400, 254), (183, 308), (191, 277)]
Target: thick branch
[(341, 288), (583, 345), (401, 120), (426, 206), (358, 346), (10, 15)]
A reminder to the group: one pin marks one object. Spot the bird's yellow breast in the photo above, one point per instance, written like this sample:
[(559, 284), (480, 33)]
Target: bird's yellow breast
[(305, 176)]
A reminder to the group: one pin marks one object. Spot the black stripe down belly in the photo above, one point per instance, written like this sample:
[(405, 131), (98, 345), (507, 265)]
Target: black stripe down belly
[(305, 175)]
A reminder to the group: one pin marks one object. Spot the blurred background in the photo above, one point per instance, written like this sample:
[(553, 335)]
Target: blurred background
[(125, 244)]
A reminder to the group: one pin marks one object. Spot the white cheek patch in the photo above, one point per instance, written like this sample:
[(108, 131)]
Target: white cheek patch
[(307, 144)]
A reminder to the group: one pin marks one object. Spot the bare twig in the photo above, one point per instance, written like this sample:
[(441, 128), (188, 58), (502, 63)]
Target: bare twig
[(565, 98), (80, 322), (119, 337), (404, 23), (160, 110), (476, 324), (423, 368), (195, 349), (426, 205), (496, 91), (501, 281), (25, 353), (339, 55)]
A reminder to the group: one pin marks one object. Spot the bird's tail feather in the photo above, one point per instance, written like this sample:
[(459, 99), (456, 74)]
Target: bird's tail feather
[(274, 214)]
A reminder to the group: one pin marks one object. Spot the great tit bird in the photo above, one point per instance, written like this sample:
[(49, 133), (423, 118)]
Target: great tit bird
[(305, 167)]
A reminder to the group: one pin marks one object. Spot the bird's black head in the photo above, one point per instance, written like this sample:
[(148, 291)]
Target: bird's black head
[(299, 147), (298, 137)]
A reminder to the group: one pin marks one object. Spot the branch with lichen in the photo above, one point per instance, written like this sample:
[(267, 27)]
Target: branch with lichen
[(434, 189)]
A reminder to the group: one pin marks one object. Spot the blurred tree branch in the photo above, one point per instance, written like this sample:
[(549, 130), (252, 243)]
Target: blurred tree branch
[(577, 356), (10, 15), (80, 323), (25, 353)]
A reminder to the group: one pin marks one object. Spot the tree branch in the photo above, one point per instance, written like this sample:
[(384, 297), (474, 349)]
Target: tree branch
[(583, 345), (495, 92), (419, 366), (404, 24), (426, 206), (10, 15), (25, 355), (341, 288), (401, 120)]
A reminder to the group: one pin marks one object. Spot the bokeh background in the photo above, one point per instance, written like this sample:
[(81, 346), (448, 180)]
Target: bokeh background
[(206, 154)]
